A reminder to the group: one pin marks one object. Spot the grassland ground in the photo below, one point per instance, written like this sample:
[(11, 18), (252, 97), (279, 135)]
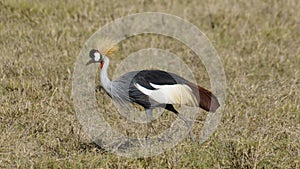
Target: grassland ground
[(258, 43)]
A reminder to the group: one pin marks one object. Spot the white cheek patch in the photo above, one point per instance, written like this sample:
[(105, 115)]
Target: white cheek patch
[(97, 56)]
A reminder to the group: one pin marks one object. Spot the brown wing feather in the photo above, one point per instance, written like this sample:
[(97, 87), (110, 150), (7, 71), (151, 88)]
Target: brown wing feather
[(205, 98)]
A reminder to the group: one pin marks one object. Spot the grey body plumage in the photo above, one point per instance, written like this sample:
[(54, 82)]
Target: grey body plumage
[(153, 88)]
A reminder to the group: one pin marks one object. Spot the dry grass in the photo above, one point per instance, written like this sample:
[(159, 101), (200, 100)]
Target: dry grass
[(258, 42)]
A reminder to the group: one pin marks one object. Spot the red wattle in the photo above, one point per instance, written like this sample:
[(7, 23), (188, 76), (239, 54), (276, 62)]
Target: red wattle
[(101, 64)]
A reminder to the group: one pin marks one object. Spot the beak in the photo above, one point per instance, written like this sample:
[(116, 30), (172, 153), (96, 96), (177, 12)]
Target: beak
[(89, 62)]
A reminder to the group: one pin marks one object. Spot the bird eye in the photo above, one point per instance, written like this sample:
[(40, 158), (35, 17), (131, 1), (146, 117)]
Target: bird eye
[(92, 52)]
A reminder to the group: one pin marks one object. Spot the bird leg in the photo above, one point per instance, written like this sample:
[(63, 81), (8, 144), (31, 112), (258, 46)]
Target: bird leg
[(149, 121), (187, 122), (189, 125)]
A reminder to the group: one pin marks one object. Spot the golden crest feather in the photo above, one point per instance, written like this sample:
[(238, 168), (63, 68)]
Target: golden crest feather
[(106, 46)]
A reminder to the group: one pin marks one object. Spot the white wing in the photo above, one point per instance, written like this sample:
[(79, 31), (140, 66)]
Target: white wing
[(170, 94)]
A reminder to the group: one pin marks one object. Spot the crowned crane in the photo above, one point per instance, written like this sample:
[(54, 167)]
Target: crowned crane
[(153, 88)]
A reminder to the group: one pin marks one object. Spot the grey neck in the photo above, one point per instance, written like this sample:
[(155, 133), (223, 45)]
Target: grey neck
[(105, 81)]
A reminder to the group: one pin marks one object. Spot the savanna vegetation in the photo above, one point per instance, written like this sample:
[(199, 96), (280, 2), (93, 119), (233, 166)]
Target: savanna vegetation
[(258, 43)]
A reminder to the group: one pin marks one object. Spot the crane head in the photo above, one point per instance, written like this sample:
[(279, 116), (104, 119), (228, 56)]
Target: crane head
[(95, 56)]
